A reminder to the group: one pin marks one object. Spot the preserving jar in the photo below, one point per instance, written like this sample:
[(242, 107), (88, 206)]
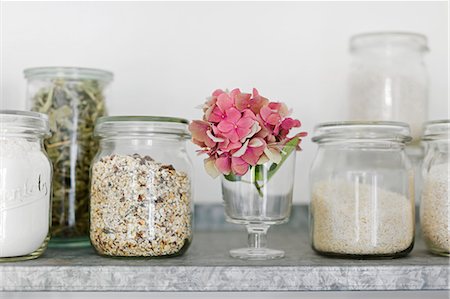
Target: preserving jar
[(141, 187), (25, 185), (73, 98), (435, 203), (362, 190), (388, 79)]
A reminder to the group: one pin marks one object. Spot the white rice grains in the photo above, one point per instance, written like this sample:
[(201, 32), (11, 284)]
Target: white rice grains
[(360, 219), (435, 208)]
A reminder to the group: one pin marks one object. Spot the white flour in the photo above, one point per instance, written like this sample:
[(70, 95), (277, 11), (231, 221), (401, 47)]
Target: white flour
[(25, 188)]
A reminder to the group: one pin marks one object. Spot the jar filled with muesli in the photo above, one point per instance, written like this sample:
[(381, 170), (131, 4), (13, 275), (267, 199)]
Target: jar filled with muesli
[(141, 187)]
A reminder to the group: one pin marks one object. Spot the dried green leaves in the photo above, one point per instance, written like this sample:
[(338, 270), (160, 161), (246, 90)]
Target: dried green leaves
[(73, 107)]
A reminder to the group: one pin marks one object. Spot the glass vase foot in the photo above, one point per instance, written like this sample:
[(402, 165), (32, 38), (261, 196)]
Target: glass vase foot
[(256, 254)]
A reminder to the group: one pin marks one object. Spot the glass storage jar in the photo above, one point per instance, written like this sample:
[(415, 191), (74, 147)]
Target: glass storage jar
[(435, 202), (388, 79), (141, 187), (73, 98), (362, 190), (25, 185)]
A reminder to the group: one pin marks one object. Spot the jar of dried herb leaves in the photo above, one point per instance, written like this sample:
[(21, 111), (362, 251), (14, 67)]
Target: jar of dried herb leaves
[(141, 187), (73, 98)]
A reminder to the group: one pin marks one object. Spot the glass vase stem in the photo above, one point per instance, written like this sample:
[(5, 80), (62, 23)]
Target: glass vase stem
[(257, 236)]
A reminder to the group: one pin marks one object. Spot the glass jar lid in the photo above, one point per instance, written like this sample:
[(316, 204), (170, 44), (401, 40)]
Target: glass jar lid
[(436, 129), (15, 122), (362, 130), (415, 41), (116, 126), (75, 73)]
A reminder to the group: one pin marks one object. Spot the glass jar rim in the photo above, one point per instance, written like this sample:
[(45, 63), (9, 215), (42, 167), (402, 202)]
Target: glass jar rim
[(388, 38), (436, 129), (16, 122), (135, 125), (362, 130), (68, 72)]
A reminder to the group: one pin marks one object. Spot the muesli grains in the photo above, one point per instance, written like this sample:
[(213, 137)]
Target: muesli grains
[(139, 207), (435, 208), (360, 219)]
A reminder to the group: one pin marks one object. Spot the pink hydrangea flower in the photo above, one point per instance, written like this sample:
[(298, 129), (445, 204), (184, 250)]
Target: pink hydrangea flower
[(236, 125), (241, 130)]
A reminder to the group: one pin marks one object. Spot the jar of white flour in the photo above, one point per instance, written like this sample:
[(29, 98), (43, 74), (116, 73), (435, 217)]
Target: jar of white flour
[(25, 185)]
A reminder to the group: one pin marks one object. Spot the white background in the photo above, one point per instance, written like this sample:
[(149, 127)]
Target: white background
[(168, 57)]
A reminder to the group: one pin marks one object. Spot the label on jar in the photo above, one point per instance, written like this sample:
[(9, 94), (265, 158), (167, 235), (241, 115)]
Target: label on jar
[(31, 191)]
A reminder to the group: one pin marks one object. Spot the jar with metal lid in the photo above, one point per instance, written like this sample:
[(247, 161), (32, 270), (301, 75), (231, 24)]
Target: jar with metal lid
[(73, 99), (435, 201), (141, 187), (25, 185), (362, 190), (388, 79)]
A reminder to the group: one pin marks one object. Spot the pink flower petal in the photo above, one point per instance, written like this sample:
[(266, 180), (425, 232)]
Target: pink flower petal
[(223, 164), (256, 142), (224, 102), (262, 160), (273, 119), (245, 122), (247, 113), (213, 138), (211, 168), (273, 155), (242, 150), (198, 130), (253, 130), (239, 166), (251, 158), (226, 126), (235, 92), (217, 92), (265, 112), (242, 101), (233, 136), (233, 115), (242, 132)]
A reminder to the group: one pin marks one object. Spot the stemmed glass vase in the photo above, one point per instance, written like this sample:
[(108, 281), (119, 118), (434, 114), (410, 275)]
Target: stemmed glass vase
[(260, 198)]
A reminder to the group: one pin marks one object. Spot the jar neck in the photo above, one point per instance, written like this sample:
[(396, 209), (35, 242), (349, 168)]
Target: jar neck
[(362, 144), (171, 142), (441, 145), (30, 137), (399, 53)]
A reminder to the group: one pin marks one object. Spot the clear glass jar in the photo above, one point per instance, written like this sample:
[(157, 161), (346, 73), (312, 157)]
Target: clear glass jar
[(435, 201), (73, 98), (362, 190), (141, 187), (25, 185), (388, 79)]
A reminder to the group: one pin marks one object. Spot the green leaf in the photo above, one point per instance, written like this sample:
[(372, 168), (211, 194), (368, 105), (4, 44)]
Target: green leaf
[(232, 178), (287, 150), (258, 172)]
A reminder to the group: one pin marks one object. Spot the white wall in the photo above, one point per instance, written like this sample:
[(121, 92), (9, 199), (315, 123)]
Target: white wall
[(167, 57)]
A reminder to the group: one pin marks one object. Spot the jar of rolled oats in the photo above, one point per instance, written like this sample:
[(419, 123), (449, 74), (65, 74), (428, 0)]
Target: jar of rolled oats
[(141, 187)]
